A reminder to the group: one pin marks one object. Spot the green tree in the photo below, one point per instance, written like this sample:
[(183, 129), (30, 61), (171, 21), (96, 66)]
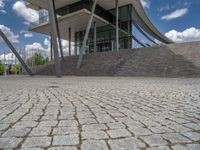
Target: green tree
[(16, 69), (36, 60), (1, 68)]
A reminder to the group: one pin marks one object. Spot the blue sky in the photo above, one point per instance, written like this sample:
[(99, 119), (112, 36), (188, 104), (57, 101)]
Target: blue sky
[(177, 19)]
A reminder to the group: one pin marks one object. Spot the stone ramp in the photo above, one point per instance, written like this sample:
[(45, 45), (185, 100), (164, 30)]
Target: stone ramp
[(164, 61), (176, 60)]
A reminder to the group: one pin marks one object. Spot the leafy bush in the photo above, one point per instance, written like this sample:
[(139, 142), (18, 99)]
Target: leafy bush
[(1, 68), (16, 69), (36, 60)]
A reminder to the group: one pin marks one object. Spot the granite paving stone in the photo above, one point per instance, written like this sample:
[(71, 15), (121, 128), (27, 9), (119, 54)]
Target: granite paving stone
[(94, 145), (154, 140), (41, 131), (32, 142), (16, 132), (9, 142), (175, 138), (195, 136), (118, 133), (127, 144), (71, 139), (99, 113), (94, 135)]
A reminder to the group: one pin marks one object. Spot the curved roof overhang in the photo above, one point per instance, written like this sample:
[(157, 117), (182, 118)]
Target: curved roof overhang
[(106, 4), (140, 17), (77, 21)]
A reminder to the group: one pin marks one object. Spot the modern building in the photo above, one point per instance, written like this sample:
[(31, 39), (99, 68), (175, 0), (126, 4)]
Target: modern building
[(95, 25), (74, 15)]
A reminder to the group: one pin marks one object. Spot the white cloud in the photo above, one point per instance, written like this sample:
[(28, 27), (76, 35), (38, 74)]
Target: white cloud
[(30, 49), (2, 4), (46, 42), (3, 11), (65, 46), (8, 58), (28, 35), (10, 35), (163, 8), (175, 14), (191, 34), (30, 15), (145, 3), (22, 31), (35, 47), (27, 23)]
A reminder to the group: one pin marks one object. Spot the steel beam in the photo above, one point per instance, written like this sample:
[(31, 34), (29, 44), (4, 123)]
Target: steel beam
[(117, 25), (95, 37), (24, 65), (141, 31), (135, 39), (52, 21), (86, 34), (148, 26)]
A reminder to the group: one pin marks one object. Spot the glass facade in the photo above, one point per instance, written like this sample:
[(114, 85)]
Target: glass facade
[(106, 35), (43, 16), (85, 4)]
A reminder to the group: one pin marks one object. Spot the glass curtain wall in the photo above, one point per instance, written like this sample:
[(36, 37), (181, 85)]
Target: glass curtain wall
[(43, 16), (106, 35)]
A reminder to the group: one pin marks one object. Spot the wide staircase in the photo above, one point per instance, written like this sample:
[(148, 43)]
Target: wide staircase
[(175, 60)]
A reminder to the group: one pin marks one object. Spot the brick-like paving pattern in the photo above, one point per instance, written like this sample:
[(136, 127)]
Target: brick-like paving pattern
[(82, 113)]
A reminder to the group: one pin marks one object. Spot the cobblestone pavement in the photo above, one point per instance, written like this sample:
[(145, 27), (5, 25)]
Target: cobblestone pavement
[(82, 113)]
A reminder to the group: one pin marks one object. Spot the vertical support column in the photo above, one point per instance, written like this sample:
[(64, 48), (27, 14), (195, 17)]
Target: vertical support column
[(70, 39), (86, 34), (129, 33), (51, 48), (58, 31), (117, 25), (95, 37), (52, 22)]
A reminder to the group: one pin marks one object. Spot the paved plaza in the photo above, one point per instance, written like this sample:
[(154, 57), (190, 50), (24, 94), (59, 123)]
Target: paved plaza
[(99, 113)]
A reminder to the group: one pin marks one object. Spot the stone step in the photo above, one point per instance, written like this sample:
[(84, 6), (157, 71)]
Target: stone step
[(164, 61)]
